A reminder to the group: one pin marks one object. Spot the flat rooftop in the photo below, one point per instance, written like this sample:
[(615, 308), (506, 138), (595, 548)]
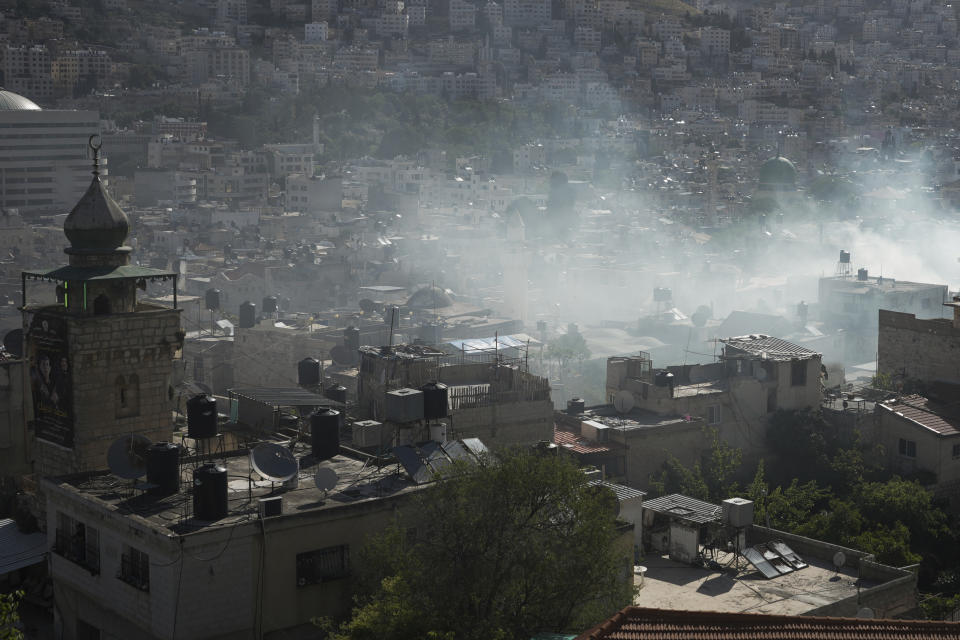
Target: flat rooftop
[(636, 418), (358, 481), (674, 585)]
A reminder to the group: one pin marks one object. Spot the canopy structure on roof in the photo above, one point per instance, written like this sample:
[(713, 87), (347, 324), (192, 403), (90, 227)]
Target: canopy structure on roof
[(17, 549), (72, 273)]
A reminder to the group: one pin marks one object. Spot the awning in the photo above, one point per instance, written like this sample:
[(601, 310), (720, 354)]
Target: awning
[(18, 549)]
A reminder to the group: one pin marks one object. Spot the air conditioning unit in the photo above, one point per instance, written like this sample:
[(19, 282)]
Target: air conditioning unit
[(369, 433), (738, 512), (404, 405), (271, 506)]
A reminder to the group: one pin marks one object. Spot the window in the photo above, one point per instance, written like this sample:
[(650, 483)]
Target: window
[(86, 631), (135, 568), (908, 448), (128, 396), (713, 414), (956, 451), (319, 566), (798, 373), (78, 543)]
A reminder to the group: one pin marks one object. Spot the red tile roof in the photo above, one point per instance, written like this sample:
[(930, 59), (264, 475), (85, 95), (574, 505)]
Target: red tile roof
[(943, 419), (635, 623), (573, 442)]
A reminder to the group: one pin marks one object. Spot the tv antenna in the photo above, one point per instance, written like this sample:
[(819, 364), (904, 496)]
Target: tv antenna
[(623, 401)]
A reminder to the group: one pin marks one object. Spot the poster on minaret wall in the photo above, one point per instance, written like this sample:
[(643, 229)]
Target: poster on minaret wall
[(50, 380)]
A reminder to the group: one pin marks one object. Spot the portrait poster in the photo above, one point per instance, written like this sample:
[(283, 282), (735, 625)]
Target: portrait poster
[(50, 381)]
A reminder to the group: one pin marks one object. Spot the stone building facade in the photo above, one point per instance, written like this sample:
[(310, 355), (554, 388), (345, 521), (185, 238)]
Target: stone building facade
[(910, 348)]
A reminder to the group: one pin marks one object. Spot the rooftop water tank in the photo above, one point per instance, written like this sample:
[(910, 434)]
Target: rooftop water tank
[(308, 372), (434, 400), (210, 492), (163, 468), (201, 417), (270, 304), (325, 433), (337, 393), (212, 299), (248, 315)]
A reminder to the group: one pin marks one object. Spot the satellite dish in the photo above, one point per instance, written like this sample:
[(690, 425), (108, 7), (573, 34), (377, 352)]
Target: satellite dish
[(341, 355), (325, 478), (13, 342), (866, 613), (127, 456), (623, 401), (274, 462), (839, 559)]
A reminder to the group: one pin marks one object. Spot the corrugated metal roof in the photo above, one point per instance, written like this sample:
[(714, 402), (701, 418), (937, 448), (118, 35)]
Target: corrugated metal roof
[(623, 492), (635, 623), (941, 419), (18, 549), (771, 348), (685, 507), (573, 442)]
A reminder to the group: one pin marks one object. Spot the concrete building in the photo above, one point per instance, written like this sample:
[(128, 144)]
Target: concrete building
[(853, 302), (921, 438), (163, 571), (309, 193), (501, 405), (44, 162), (756, 375), (14, 444)]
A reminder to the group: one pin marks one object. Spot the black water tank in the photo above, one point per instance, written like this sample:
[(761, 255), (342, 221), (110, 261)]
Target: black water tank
[(351, 339), (248, 315), (576, 406), (270, 304), (434, 400), (210, 492), (212, 299), (163, 468), (325, 433), (663, 379), (308, 372), (201, 417), (337, 393)]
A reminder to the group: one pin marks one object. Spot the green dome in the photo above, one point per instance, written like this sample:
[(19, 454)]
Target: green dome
[(778, 174)]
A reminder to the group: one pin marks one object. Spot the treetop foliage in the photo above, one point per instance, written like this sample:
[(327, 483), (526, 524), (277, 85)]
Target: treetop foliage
[(514, 546)]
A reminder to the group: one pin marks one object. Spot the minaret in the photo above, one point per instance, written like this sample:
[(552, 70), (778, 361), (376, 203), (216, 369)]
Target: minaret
[(101, 361)]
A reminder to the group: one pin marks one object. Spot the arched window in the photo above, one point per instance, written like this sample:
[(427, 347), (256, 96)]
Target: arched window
[(127, 396), (101, 305)]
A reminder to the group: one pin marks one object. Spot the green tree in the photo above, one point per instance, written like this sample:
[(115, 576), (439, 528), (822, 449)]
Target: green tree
[(9, 616), (513, 546), (567, 347)]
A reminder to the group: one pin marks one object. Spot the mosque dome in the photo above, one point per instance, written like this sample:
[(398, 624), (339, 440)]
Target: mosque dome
[(778, 174), (10, 101), (432, 297), (97, 224)]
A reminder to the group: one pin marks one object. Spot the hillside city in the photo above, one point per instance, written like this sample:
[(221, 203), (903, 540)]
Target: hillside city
[(440, 318)]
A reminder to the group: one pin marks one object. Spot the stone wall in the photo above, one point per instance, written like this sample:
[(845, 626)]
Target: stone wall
[(910, 348), (895, 595), (102, 350), (14, 454)]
